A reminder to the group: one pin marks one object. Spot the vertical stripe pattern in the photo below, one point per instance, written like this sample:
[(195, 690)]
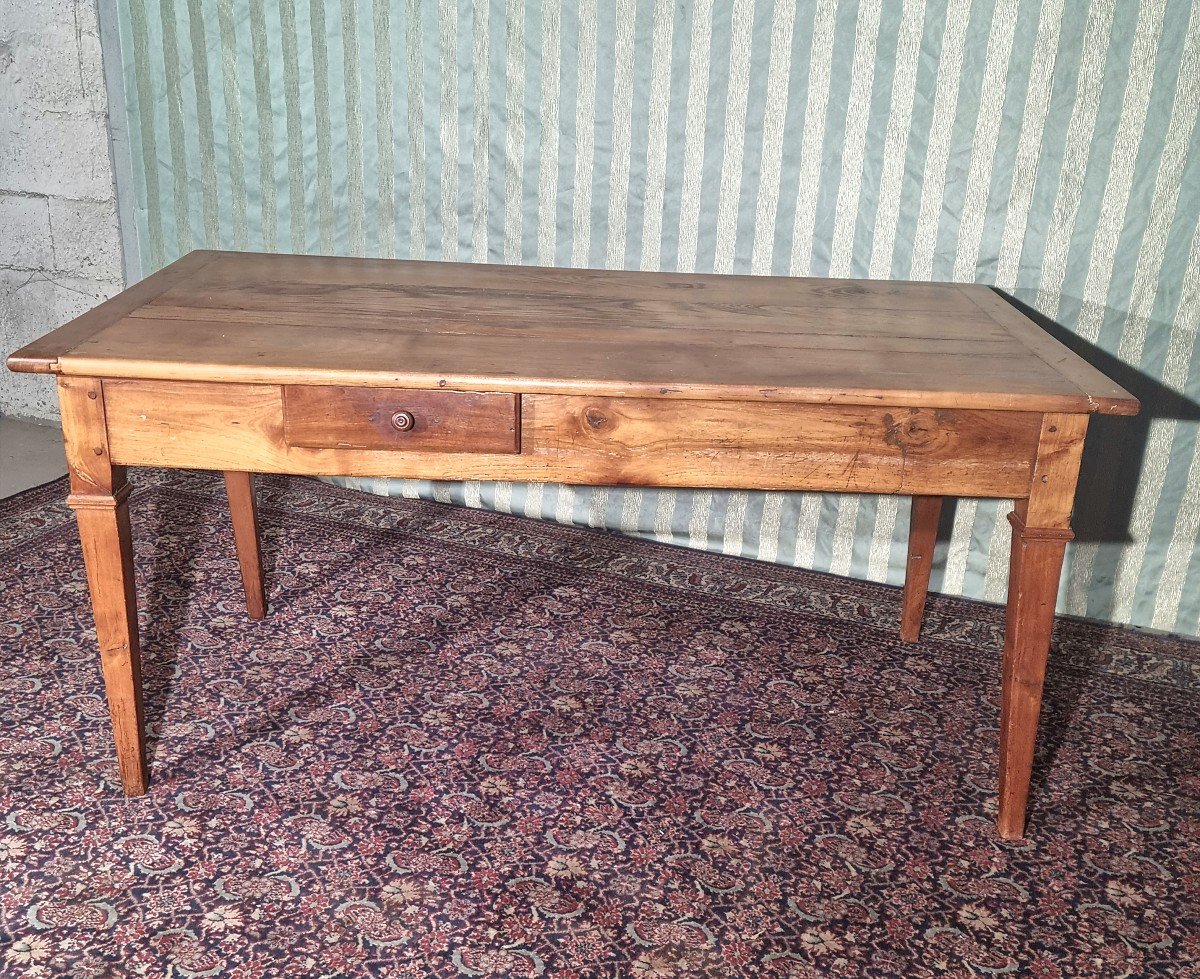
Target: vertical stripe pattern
[(1049, 148)]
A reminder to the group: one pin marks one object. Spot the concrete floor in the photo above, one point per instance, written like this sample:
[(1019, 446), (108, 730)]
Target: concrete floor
[(30, 454)]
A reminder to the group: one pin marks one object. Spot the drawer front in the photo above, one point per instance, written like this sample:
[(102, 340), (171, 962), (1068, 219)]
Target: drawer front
[(398, 418)]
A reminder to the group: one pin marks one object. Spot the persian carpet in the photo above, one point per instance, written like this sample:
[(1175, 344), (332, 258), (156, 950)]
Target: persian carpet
[(467, 744)]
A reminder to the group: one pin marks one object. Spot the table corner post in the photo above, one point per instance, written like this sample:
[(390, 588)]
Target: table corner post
[(1041, 532), (99, 496)]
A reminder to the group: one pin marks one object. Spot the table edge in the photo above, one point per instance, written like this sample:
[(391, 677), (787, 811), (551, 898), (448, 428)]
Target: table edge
[(53, 353), (43, 355), (83, 366)]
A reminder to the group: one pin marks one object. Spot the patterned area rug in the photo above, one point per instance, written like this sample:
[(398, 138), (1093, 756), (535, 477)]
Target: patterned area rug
[(465, 744)]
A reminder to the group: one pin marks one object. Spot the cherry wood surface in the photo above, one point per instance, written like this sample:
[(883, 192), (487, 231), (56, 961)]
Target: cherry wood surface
[(400, 418), (269, 363), (311, 320), (605, 441), (100, 498)]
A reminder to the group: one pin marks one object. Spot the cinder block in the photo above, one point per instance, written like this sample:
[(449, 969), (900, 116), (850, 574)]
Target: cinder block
[(25, 239), (75, 295), (91, 62), (51, 154), (42, 68), (31, 304), (29, 396), (36, 16), (26, 305), (58, 257), (86, 238)]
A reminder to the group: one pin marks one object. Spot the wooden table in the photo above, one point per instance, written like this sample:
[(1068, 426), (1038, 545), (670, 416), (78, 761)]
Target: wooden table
[(255, 363)]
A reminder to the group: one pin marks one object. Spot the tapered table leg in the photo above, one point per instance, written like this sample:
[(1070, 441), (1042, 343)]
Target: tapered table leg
[(239, 487), (1036, 563), (922, 536), (99, 496), (1041, 530)]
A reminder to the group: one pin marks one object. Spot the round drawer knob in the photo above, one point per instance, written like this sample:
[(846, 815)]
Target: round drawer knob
[(403, 421)]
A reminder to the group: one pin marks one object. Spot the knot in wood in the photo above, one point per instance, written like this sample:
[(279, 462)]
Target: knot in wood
[(596, 419), (918, 429)]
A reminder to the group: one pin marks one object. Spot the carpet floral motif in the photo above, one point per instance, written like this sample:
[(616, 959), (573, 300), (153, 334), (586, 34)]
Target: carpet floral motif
[(467, 744)]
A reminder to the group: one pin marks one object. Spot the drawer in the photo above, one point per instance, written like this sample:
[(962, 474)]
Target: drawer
[(400, 418)]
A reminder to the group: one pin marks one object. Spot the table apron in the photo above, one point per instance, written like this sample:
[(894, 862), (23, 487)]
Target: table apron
[(606, 441)]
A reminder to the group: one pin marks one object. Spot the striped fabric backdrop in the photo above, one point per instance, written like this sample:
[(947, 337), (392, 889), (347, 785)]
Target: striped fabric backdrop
[(1047, 147)]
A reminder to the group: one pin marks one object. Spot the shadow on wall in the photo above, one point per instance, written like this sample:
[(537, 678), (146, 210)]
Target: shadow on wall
[(1113, 457)]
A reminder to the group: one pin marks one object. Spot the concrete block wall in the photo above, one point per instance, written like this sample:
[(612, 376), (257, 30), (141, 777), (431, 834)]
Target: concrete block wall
[(60, 248)]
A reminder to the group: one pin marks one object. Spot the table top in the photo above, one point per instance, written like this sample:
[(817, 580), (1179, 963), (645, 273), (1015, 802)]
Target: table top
[(230, 316)]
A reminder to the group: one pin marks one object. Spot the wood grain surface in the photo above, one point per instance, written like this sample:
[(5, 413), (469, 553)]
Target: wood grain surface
[(333, 321), (607, 441), (408, 419), (100, 498)]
